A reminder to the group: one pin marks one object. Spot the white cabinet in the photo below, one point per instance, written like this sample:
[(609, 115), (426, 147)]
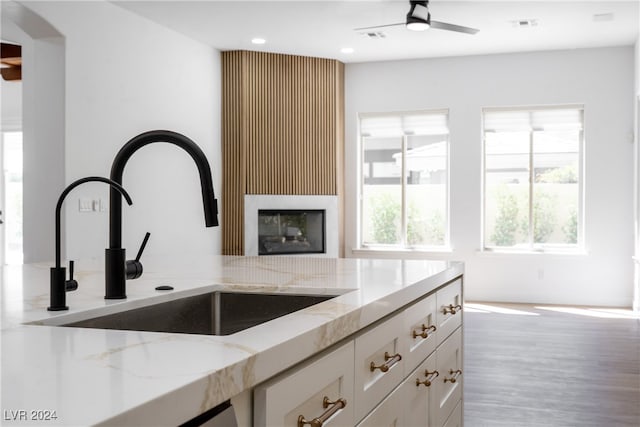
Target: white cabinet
[(405, 370), (420, 329), (378, 363), (449, 317), (432, 392), (387, 413), (418, 393), (455, 419), (448, 386), (321, 390)]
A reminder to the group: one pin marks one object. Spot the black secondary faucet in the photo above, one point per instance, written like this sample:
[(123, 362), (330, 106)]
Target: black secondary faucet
[(117, 269), (59, 285)]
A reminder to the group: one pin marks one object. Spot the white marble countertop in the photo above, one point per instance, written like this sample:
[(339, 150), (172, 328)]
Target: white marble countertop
[(110, 377)]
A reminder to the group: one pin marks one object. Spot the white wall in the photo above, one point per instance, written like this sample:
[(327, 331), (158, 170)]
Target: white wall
[(39, 112), (126, 75), (11, 108), (636, 193), (601, 79)]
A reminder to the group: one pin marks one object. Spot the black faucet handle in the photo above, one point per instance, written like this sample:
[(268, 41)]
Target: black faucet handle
[(143, 245), (134, 267), (71, 284)]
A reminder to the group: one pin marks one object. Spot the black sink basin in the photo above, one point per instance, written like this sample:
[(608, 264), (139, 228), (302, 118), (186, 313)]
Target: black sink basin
[(215, 313)]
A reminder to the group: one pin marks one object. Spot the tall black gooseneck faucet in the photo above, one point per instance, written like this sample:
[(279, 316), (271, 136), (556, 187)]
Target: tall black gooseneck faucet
[(115, 257), (59, 284)]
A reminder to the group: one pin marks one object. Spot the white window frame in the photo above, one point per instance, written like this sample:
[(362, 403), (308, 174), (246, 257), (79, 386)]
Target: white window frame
[(403, 246), (576, 248)]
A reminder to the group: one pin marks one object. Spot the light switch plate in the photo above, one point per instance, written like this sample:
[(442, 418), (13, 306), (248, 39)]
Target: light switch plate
[(85, 205)]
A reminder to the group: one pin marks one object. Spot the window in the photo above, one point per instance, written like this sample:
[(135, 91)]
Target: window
[(11, 195), (404, 180), (533, 178)]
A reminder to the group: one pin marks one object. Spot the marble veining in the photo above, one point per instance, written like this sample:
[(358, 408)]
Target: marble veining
[(332, 331), (113, 377)]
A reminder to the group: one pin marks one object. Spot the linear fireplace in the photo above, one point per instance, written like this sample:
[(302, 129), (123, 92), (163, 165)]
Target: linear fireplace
[(291, 231), (305, 225)]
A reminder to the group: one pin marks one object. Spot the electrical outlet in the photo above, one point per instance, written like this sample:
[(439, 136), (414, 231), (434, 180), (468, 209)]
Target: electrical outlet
[(91, 205), (85, 205)]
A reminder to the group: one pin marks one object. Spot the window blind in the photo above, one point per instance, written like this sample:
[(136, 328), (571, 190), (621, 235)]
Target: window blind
[(533, 120), (379, 126)]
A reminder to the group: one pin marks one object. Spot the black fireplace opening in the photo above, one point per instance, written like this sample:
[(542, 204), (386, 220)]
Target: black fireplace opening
[(291, 231)]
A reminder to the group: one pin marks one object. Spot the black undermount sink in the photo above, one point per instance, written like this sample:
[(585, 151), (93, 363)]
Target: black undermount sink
[(214, 313)]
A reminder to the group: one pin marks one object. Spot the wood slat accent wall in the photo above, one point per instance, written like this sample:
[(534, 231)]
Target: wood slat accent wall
[(282, 131)]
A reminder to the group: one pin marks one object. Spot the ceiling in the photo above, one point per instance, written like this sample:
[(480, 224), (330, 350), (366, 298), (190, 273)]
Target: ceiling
[(323, 28)]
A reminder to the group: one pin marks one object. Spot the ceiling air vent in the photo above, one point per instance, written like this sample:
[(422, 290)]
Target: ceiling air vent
[(525, 23), (373, 34)]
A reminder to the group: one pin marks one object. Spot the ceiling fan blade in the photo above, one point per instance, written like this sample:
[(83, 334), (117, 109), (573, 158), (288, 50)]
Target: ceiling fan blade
[(8, 50), (11, 73), (378, 26), (14, 62), (452, 27), (11, 56)]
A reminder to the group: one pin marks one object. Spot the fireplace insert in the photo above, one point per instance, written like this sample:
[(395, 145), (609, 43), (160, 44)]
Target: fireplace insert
[(291, 231)]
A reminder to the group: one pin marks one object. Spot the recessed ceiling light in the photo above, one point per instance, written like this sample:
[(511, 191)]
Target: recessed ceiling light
[(258, 40), (603, 17), (346, 50)]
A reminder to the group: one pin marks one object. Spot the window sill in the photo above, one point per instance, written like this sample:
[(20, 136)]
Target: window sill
[(517, 252), (389, 252)]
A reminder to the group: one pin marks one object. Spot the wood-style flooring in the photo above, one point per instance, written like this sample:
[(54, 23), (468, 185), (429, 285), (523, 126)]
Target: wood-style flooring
[(542, 367)]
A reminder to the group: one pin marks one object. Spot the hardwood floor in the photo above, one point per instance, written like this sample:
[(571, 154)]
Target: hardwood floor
[(538, 367)]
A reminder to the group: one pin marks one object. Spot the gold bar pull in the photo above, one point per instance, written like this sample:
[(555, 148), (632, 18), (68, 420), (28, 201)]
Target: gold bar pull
[(389, 362), (454, 376), (425, 331), (430, 377), (453, 309), (319, 421)]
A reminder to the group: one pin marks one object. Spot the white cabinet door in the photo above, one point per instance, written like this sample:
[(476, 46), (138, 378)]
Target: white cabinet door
[(448, 385), (390, 413), (420, 327), (455, 419), (418, 394), (321, 389), (378, 363), (449, 302)]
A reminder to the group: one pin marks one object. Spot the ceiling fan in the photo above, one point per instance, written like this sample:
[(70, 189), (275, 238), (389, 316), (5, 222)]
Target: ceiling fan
[(11, 60), (419, 19)]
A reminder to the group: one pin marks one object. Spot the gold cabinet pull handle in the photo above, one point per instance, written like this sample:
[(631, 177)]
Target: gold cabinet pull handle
[(453, 309), (454, 376), (430, 377), (425, 331), (335, 406), (389, 362)]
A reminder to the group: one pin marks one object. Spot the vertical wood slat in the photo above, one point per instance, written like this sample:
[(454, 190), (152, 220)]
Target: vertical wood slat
[(233, 173), (339, 114), (282, 131)]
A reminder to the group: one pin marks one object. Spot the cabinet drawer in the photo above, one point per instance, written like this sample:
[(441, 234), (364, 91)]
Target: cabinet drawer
[(449, 303), (388, 413), (282, 400), (455, 419), (377, 368), (448, 386), (420, 327), (418, 394)]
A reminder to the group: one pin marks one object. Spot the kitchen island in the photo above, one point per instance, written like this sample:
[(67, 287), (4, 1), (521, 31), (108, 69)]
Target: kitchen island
[(81, 376)]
